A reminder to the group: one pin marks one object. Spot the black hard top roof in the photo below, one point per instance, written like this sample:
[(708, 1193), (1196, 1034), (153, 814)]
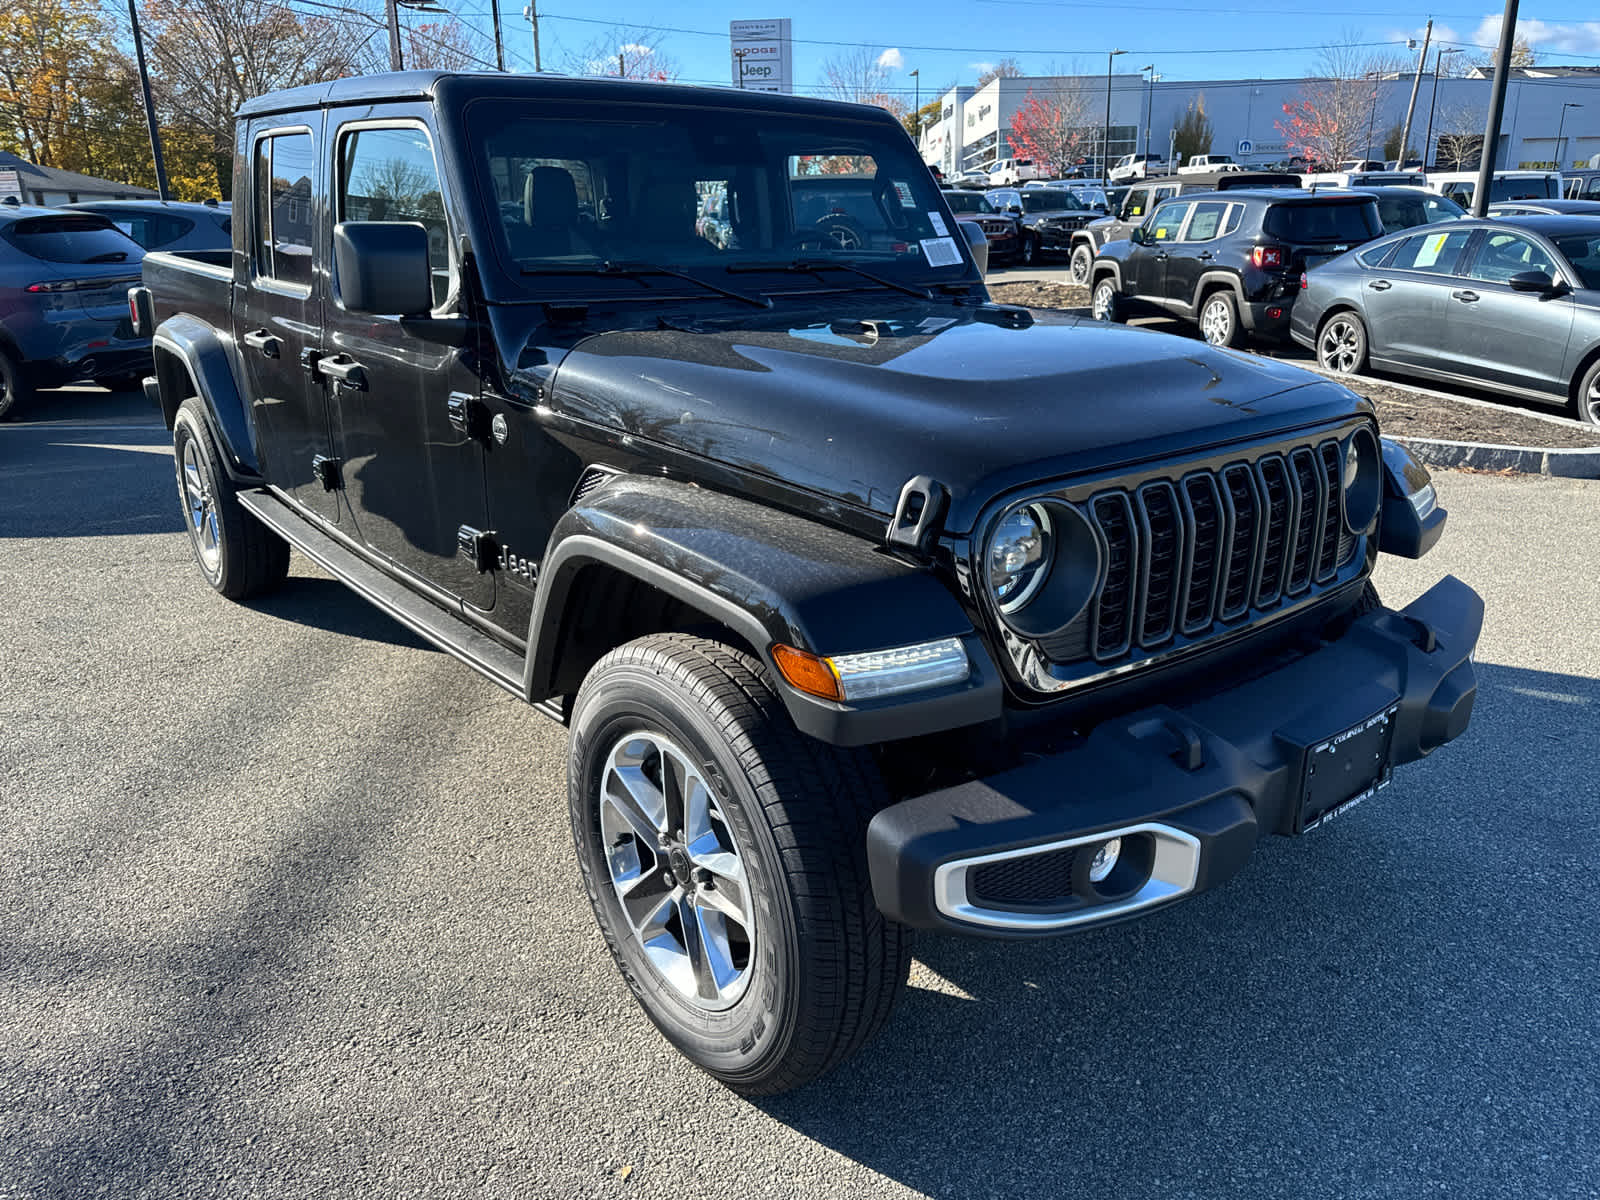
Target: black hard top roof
[(460, 86), (1551, 224), (1280, 195)]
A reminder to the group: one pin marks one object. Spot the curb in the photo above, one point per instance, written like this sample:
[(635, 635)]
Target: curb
[(1566, 464)]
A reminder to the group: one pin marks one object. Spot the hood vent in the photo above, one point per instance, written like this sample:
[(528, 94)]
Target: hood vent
[(589, 482)]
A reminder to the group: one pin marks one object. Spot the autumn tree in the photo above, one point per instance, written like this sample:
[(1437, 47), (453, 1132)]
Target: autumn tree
[(626, 52), (48, 50), (1054, 129), (1522, 55), (1006, 68), (1194, 131), (928, 114), (861, 76), (442, 46), (1330, 120)]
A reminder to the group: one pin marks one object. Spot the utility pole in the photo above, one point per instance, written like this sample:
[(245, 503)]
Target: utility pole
[(532, 14), (739, 54), (1105, 143), (149, 106), (1428, 140), (1405, 131), (1497, 108), (499, 46), (396, 63), (916, 104)]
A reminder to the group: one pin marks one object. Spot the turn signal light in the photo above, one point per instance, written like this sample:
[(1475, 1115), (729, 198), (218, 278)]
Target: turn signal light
[(874, 674), (807, 672)]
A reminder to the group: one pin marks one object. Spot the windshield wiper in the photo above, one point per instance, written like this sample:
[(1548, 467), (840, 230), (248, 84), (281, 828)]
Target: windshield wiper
[(108, 256), (814, 266), (633, 270)]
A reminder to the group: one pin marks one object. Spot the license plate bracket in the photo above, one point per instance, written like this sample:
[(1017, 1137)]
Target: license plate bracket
[(1342, 771)]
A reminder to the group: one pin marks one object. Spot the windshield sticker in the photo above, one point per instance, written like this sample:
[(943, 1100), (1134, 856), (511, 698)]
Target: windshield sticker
[(939, 229), (941, 252), (903, 190)]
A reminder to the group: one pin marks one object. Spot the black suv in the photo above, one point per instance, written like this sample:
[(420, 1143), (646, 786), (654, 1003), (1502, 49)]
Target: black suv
[(1230, 260), (1136, 203), (1049, 218)]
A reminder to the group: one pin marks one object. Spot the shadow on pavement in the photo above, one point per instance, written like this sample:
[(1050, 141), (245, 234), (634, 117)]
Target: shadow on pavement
[(86, 483), (1399, 1003), (326, 604)]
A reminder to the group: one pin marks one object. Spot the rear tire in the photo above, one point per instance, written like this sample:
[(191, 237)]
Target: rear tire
[(1219, 320), (1342, 344), (1082, 263), (239, 556), (15, 390), (1587, 398), (683, 761), (1030, 249), (1105, 303)]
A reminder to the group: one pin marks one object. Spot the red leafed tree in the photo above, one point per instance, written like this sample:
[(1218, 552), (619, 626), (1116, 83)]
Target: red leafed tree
[(1330, 121), (1052, 129)]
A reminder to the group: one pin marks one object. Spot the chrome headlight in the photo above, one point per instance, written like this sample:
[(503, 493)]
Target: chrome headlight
[(1019, 556), (1363, 480)]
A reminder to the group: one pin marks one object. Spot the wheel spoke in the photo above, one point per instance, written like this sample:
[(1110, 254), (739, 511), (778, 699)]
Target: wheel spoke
[(725, 896), (699, 949), (647, 900), (676, 781)]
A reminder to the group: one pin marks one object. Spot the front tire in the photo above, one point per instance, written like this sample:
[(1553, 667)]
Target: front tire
[(239, 556), (1342, 344), (724, 855), (1030, 249), (1219, 320), (1587, 397), (1082, 263)]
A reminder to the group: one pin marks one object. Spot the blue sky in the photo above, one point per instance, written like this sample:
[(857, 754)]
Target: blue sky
[(1193, 40)]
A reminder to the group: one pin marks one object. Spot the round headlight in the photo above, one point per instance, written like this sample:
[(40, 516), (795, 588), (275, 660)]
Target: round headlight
[(1019, 556), (1363, 480)]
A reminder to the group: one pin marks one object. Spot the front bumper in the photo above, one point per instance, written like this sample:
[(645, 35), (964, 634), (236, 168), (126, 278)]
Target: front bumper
[(1189, 790)]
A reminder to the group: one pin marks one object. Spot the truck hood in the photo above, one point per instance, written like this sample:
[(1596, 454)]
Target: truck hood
[(849, 410)]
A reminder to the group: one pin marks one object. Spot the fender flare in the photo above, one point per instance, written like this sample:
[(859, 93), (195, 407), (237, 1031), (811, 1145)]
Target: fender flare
[(193, 359), (1101, 264), (768, 576), (1210, 277)]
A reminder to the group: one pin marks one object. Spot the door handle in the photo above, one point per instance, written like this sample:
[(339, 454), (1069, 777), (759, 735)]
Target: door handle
[(1464, 297), (1380, 285), (1205, 256), (343, 370), (260, 339)]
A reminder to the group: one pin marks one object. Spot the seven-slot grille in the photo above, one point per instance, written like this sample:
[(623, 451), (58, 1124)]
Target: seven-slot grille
[(1184, 554)]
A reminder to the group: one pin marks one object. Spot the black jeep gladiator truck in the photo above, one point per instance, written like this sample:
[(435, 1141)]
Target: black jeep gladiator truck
[(848, 645)]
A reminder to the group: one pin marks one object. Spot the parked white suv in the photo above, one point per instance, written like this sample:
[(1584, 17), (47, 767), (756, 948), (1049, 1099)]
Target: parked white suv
[(1137, 166), (1008, 172), (1202, 164), (1503, 186)]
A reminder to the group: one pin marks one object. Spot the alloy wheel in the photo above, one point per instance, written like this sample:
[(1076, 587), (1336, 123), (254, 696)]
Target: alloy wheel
[(201, 505), (1100, 304), (1216, 322), (1339, 347), (1591, 401), (676, 870)]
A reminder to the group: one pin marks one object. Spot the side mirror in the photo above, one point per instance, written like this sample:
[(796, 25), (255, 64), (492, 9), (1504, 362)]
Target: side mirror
[(1139, 237), (1531, 281), (382, 267), (978, 243), (1099, 208), (1014, 209)]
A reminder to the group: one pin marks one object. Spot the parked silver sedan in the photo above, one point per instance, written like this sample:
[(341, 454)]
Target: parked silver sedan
[(1510, 305)]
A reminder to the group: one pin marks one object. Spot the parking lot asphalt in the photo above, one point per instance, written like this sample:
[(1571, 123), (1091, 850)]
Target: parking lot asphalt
[(290, 911)]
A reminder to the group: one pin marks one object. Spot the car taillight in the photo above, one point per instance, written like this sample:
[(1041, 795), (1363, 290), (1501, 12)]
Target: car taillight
[(1263, 257), (60, 285), (1305, 282)]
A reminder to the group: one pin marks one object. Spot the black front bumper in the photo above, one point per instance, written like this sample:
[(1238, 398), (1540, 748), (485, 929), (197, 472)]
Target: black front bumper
[(1189, 790)]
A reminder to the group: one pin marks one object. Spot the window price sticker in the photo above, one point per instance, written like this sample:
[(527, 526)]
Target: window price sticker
[(939, 229), (941, 252)]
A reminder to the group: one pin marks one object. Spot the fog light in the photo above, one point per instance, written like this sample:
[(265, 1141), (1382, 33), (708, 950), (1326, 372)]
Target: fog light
[(1105, 858)]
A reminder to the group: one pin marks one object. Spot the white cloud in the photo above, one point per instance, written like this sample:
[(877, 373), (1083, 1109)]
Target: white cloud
[(982, 68), (892, 59), (1548, 37), (635, 48)]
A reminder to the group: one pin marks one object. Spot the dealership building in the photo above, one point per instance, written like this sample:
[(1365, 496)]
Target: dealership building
[(1552, 115)]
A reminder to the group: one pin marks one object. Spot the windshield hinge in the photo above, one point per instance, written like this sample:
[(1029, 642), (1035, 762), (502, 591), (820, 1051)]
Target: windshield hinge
[(917, 515), (478, 546)]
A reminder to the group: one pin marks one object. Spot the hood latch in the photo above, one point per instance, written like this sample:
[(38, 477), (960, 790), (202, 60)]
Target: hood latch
[(917, 515)]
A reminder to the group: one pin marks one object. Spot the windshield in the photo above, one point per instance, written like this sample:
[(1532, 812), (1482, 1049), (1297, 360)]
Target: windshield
[(1042, 200), (81, 239), (968, 202), (575, 187), (1582, 250), (1402, 212), (1328, 222)]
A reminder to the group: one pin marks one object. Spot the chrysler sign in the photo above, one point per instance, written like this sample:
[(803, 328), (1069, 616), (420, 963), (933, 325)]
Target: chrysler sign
[(762, 57)]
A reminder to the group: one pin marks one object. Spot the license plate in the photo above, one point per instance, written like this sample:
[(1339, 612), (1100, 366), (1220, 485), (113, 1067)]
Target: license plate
[(1346, 769)]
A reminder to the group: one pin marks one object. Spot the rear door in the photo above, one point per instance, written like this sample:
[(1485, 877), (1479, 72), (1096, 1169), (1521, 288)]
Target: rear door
[(1406, 301), (412, 476), (277, 311), (1518, 339), (1192, 254)]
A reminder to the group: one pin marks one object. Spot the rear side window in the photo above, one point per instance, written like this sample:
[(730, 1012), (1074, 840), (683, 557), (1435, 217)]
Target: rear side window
[(1323, 222), (284, 168), (389, 175), (1435, 253), (1206, 222), (75, 239)]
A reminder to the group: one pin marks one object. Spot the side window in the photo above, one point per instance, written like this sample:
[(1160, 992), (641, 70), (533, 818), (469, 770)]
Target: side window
[(1503, 255), (1377, 255), (1206, 222), (1138, 204), (1594, 189), (389, 175), (1168, 220), (284, 168), (1435, 253), (1235, 215)]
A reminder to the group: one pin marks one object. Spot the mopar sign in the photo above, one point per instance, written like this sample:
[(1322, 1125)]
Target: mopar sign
[(762, 59)]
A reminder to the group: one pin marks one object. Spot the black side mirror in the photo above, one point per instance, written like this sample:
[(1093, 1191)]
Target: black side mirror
[(1139, 237), (1014, 209), (382, 267), (1531, 281), (978, 243)]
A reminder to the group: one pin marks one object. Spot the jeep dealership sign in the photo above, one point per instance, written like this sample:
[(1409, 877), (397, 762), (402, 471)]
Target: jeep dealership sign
[(763, 60)]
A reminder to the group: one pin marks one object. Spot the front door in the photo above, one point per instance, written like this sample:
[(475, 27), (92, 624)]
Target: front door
[(1406, 300), (1192, 254), (1518, 339), (412, 477), (1149, 262), (278, 315)]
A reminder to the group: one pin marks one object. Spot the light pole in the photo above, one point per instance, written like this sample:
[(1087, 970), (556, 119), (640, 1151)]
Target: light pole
[(1149, 103), (739, 54), (1105, 142), (1428, 141), (1372, 115), (1561, 126)]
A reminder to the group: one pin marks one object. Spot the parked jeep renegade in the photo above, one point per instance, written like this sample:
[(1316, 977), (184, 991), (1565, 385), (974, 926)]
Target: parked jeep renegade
[(848, 644)]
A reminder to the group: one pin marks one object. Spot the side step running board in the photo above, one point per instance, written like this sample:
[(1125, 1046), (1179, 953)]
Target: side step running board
[(450, 633)]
